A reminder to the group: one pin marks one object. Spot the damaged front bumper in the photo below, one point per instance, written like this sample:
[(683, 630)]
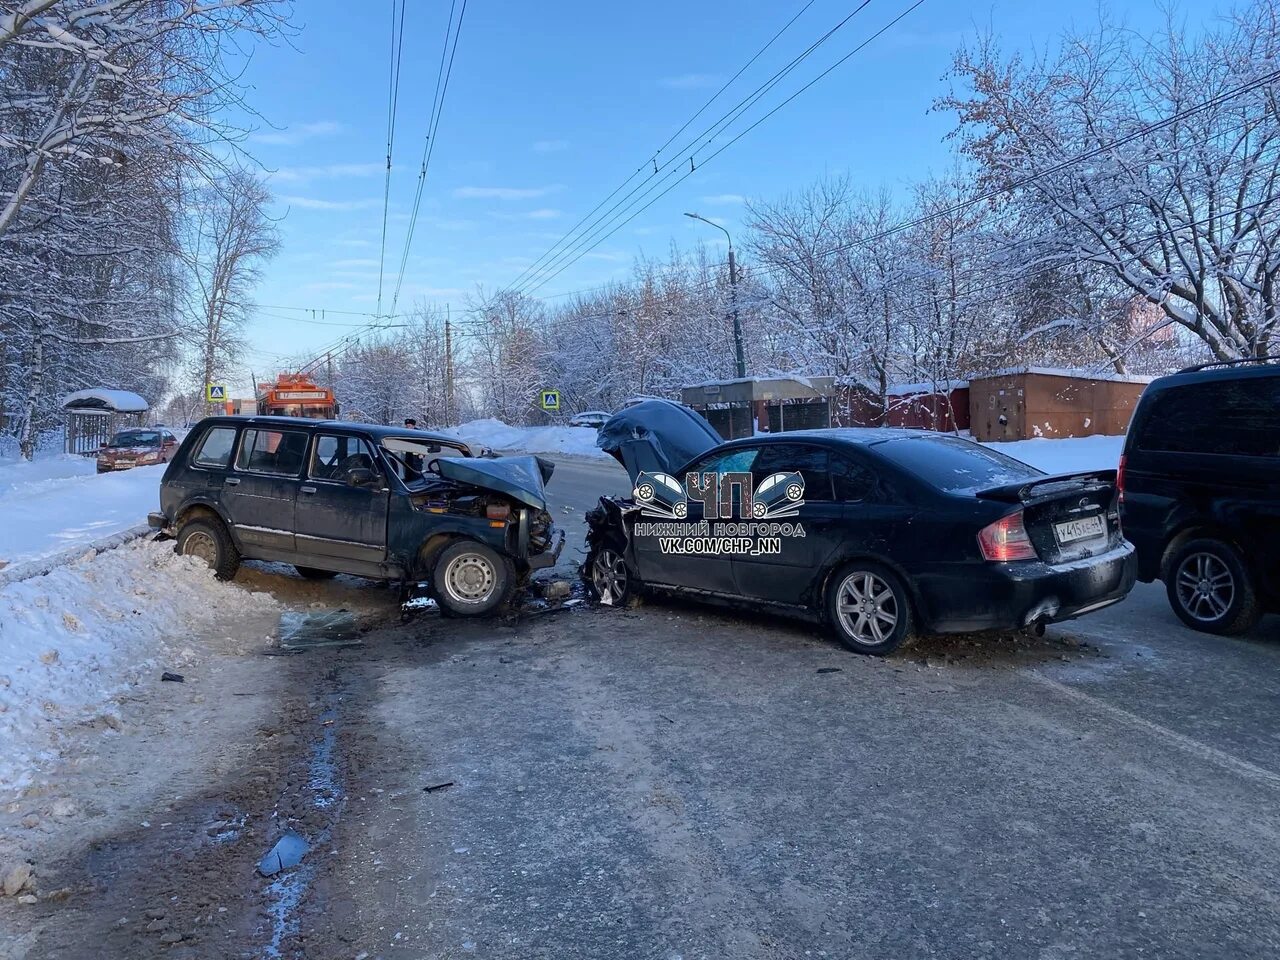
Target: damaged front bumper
[(548, 558)]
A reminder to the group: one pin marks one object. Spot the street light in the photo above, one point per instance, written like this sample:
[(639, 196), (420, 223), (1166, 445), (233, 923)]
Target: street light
[(733, 296)]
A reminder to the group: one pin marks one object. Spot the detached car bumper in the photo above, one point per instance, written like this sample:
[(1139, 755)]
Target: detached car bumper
[(957, 598)]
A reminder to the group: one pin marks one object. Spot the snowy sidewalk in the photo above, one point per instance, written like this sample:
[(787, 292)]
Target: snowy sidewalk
[(58, 503)]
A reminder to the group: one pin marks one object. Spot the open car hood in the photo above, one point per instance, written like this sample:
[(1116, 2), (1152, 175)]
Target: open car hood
[(658, 436), (520, 478)]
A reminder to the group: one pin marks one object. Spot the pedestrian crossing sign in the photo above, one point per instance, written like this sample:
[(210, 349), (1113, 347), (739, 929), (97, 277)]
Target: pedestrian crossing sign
[(215, 392), (550, 400)]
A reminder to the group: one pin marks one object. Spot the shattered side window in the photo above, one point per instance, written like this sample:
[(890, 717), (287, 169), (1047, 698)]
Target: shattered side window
[(412, 458)]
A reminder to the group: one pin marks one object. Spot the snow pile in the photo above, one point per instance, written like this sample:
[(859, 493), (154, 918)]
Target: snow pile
[(59, 502), (1066, 455), (84, 634), (576, 441)]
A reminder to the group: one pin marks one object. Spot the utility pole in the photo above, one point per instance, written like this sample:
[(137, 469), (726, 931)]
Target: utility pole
[(448, 370), (739, 352)]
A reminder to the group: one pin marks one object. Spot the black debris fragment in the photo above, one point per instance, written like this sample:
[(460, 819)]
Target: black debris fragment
[(172, 677), (830, 669), (438, 786)]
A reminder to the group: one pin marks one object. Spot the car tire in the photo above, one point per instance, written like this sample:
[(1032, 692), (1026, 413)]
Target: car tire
[(470, 579), (607, 577), (210, 541), (1210, 588), (315, 573), (869, 608)]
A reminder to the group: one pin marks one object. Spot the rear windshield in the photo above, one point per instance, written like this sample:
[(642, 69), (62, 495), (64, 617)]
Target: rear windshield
[(136, 438), (953, 465)]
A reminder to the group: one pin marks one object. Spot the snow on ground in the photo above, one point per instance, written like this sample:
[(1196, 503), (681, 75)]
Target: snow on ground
[(58, 502), (577, 441), (84, 634), (1065, 455)]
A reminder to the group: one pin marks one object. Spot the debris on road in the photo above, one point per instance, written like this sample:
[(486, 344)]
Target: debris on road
[(172, 677), (829, 669), (288, 852), (16, 879), (438, 786)]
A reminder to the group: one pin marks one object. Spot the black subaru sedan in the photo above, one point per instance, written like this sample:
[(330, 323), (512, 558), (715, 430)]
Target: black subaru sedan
[(880, 533)]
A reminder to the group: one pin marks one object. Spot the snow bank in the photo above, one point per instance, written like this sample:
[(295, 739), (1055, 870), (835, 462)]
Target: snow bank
[(577, 441), (75, 639), (58, 502), (1066, 455)]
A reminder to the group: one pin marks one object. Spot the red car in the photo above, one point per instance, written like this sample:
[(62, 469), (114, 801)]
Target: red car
[(139, 447)]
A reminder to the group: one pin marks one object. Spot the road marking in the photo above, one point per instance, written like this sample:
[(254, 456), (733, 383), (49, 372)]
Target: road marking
[(1244, 768)]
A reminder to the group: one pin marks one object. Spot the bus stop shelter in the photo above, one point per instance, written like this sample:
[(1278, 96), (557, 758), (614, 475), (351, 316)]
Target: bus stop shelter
[(94, 415)]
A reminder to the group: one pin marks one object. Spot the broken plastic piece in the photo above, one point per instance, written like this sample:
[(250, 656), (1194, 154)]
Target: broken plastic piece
[(288, 852), (438, 786), (829, 669), (172, 677)]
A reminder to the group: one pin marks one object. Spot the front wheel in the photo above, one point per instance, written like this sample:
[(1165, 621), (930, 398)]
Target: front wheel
[(1210, 588), (608, 577), (209, 541), (471, 579), (868, 606)]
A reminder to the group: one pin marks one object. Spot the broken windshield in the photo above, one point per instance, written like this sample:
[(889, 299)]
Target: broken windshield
[(412, 457)]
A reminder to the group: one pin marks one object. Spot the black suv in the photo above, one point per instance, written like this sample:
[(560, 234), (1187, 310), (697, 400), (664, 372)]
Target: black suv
[(1200, 488), (334, 497)]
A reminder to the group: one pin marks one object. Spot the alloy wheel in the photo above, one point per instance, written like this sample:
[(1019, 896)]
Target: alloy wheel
[(609, 576), (1206, 588), (470, 578), (867, 608)]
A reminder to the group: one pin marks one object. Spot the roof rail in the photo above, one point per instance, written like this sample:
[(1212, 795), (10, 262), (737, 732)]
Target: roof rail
[(1226, 363)]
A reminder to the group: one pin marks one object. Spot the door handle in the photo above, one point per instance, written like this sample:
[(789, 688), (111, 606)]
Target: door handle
[(307, 489), (232, 481)]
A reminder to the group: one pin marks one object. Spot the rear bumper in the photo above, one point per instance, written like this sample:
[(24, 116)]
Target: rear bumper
[(957, 598)]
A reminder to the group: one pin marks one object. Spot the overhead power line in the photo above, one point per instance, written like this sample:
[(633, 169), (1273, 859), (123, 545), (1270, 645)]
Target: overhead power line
[(393, 99)]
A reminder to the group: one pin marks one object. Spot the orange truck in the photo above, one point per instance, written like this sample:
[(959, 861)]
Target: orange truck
[(292, 395)]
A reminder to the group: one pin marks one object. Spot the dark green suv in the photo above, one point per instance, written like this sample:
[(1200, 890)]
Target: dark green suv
[(333, 497)]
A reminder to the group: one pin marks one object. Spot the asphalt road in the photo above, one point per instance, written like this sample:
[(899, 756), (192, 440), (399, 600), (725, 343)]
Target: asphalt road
[(674, 781)]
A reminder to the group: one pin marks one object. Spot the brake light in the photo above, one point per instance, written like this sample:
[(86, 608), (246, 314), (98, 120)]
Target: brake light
[(1006, 539), (1120, 481)]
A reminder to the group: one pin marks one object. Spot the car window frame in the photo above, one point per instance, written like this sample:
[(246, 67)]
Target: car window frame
[(296, 475), (806, 445), (194, 464), (313, 447)]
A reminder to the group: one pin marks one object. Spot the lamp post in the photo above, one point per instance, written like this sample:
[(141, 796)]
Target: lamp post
[(733, 296)]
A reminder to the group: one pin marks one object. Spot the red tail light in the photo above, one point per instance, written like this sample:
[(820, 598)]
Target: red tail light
[(1006, 539), (1120, 481)]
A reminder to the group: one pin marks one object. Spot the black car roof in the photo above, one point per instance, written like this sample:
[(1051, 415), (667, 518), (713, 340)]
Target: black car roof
[(860, 436), (374, 430), (1240, 371)]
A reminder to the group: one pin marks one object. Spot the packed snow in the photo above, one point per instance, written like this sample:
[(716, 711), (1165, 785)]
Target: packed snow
[(75, 640), (498, 436), (59, 502), (1065, 455)]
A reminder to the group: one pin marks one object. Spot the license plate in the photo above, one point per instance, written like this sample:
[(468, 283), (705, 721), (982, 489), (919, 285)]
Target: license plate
[(1082, 529)]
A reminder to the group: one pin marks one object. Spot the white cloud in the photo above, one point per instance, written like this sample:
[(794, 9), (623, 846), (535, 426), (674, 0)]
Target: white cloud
[(326, 172), (692, 81), (330, 285), (297, 133), (724, 199), (542, 213), (607, 256), (354, 242), (503, 193), (348, 264), (550, 146), (315, 203)]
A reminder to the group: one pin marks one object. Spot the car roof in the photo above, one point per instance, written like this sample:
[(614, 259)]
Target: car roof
[(852, 436), (375, 430), (1241, 371)]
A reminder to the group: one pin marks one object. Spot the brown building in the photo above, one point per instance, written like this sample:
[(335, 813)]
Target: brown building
[(1046, 402), (737, 408), (918, 405)]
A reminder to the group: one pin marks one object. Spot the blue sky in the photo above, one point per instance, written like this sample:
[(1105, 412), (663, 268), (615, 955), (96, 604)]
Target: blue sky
[(552, 104)]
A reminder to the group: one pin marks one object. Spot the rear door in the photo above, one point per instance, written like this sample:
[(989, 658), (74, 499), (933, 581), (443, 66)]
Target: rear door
[(334, 518), (259, 493)]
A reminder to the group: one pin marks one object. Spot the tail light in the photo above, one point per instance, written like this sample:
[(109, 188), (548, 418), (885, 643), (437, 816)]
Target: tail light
[(1120, 481), (1006, 539)]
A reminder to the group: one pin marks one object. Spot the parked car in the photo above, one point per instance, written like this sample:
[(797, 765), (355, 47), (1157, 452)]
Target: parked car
[(878, 532), (590, 418), (139, 447), (334, 497), (1200, 482)]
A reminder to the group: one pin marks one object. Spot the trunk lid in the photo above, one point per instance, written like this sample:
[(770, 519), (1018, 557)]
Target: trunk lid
[(658, 436), (1067, 517), (523, 479)]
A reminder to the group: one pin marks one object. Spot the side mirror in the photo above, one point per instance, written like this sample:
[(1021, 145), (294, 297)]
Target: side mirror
[(362, 477)]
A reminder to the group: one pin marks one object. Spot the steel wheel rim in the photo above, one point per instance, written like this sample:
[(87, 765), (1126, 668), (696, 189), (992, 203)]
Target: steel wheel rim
[(470, 578), (609, 576), (1206, 588), (202, 546), (867, 608)]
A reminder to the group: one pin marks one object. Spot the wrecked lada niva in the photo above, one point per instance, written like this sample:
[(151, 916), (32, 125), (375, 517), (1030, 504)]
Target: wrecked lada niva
[(388, 503)]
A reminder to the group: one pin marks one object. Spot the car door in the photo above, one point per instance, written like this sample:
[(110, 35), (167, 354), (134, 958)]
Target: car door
[(794, 535), (683, 546), (335, 518), (259, 493)]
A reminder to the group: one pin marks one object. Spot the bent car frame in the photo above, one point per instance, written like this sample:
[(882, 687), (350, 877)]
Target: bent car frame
[(877, 532), (386, 503)]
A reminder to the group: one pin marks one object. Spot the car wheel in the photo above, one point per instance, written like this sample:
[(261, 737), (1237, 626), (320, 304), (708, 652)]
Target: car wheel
[(209, 541), (471, 579), (869, 608), (607, 576), (1210, 588), (315, 573)]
